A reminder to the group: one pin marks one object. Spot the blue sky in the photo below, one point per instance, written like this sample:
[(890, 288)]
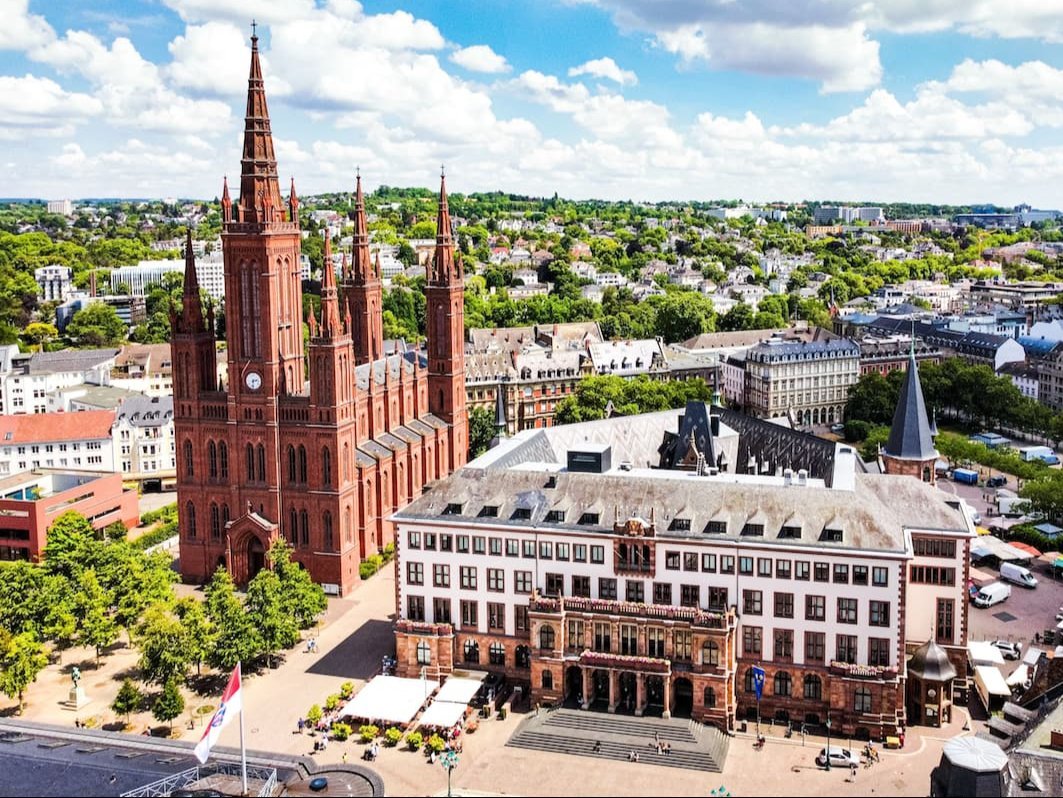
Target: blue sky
[(672, 99)]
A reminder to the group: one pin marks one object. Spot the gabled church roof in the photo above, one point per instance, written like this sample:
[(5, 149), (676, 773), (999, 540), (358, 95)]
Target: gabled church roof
[(910, 435)]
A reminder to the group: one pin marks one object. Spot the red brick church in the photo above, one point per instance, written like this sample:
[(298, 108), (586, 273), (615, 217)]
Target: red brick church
[(320, 445)]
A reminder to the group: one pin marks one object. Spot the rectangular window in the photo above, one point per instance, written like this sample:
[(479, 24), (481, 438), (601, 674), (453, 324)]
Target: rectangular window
[(690, 561), (413, 540), (932, 575), (671, 560), (689, 595), (822, 572), (859, 574), (745, 566), (764, 566), (496, 580), (783, 644), (430, 541), (782, 569), (467, 575), (415, 608), (841, 573), (496, 547), (546, 550), (629, 639), (945, 614), (414, 573), (555, 517), (716, 528), (598, 554), (555, 584), (752, 602), (607, 589), (784, 605), (708, 563), (847, 610), (561, 551), (880, 613), (717, 598), (579, 552), (463, 544), (846, 649), (574, 635), (602, 637), (934, 547), (662, 592), (479, 545), (880, 576), (441, 575), (682, 645), (727, 564), (440, 610), (522, 582), (654, 641), (752, 641), (581, 586), (520, 618), (815, 647), (512, 547), (801, 570), (496, 615), (635, 590), (446, 543), (469, 614), (815, 608), (878, 651)]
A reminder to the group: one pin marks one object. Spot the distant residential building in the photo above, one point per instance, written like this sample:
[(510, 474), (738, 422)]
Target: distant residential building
[(891, 353), (87, 396), (26, 386), (144, 439), (628, 358), (56, 282), (1023, 376), (610, 278), (977, 348), (828, 214), (773, 214), (30, 502), (144, 368), (78, 441), (528, 291), (807, 381), (1022, 294), (209, 272), (130, 309), (63, 207)]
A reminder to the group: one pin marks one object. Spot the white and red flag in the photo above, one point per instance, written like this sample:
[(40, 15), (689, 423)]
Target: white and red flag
[(231, 704)]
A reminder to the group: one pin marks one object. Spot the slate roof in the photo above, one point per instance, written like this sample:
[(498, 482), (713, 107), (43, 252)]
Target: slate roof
[(145, 411), (910, 437), (69, 360)]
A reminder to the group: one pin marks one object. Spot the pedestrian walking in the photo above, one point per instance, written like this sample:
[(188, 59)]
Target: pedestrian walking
[(345, 757), (852, 772), (597, 746), (536, 709)]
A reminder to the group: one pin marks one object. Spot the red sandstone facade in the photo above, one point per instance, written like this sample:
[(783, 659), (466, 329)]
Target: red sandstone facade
[(324, 457)]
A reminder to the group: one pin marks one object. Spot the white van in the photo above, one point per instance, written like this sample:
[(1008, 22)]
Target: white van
[(992, 594), (1017, 574)]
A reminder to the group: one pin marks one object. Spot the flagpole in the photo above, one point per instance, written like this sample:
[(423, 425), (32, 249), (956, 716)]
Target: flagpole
[(243, 750)]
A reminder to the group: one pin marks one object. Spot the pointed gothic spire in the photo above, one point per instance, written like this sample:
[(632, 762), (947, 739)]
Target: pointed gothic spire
[(260, 195), (330, 309), (191, 308), (910, 436), (293, 204), (443, 268), (226, 201), (376, 264), (361, 266)]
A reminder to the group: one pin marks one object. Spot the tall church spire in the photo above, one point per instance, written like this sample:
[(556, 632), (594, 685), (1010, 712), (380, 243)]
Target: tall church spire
[(362, 290), (910, 448), (444, 270), (330, 310), (191, 307), (260, 198), (361, 267)]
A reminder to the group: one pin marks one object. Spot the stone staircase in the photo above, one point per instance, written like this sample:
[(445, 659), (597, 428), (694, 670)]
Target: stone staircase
[(574, 732)]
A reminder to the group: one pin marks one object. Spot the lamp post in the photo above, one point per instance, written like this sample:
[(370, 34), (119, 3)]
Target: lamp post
[(828, 741), (449, 761)]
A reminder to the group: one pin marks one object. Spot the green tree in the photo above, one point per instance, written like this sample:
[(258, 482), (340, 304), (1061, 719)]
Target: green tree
[(304, 599), (740, 317), (871, 398), (199, 632), (237, 638), (23, 657), (164, 650), (39, 333), (57, 612), (92, 605), (481, 430), (97, 324), (1045, 495), (128, 700), (269, 613), (20, 585), (684, 315), (170, 703), (70, 537)]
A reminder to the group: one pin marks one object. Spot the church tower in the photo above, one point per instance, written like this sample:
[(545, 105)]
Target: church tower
[(910, 448), (192, 347), (445, 317), (362, 291)]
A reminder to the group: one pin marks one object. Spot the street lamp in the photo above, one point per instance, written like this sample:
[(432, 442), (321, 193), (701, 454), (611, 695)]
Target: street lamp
[(828, 742), (449, 761)]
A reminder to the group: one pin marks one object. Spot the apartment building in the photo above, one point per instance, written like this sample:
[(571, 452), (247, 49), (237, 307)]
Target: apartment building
[(68, 441), (808, 380)]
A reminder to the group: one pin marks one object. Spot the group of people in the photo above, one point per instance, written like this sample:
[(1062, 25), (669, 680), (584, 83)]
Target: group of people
[(311, 645), (371, 752)]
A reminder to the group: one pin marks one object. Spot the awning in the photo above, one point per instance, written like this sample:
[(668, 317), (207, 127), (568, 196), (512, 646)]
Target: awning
[(458, 690), (982, 652), (1032, 655), (993, 680), (442, 713), (390, 699), (1018, 676), (1025, 547), (1050, 558)]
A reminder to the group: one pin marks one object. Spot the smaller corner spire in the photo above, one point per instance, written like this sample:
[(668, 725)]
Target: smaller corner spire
[(191, 307), (226, 201), (293, 204)]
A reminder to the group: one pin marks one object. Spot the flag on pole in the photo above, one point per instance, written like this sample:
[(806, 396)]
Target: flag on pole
[(758, 681), (231, 704)]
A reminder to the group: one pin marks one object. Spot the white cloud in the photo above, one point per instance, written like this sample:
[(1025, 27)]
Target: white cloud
[(607, 69), (241, 12), (40, 103), (480, 58), (21, 29), (211, 58)]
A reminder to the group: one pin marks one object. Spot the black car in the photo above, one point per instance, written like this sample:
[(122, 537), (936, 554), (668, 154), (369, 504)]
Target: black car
[(996, 482)]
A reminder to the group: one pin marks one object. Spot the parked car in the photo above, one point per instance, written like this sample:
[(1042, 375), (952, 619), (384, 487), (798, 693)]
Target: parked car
[(992, 594), (839, 757), (996, 482), (837, 428), (1017, 574), (1008, 649)]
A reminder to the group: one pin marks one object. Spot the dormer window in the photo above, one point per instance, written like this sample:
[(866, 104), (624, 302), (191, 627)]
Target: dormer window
[(790, 532), (453, 509), (521, 514), (555, 517), (832, 535), (488, 511), (716, 528), (551, 482), (588, 519), (753, 530), (679, 525)]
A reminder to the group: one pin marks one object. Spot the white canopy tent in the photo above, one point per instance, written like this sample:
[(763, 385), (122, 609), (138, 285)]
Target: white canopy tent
[(993, 680), (442, 713), (1018, 676), (391, 699), (982, 652), (458, 690)]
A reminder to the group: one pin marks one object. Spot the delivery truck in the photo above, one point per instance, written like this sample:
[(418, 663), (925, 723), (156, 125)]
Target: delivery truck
[(965, 475), (1044, 453), (1017, 574), (991, 595)]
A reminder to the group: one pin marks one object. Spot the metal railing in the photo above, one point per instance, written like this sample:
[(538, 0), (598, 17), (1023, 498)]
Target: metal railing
[(167, 785)]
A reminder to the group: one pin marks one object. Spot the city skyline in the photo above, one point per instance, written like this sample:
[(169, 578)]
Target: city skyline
[(586, 99)]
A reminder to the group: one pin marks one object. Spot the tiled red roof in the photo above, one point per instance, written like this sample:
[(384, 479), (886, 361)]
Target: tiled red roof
[(56, 427)]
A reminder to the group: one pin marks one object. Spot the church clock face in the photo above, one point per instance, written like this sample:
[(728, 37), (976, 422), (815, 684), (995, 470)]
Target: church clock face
[(253, 380)]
